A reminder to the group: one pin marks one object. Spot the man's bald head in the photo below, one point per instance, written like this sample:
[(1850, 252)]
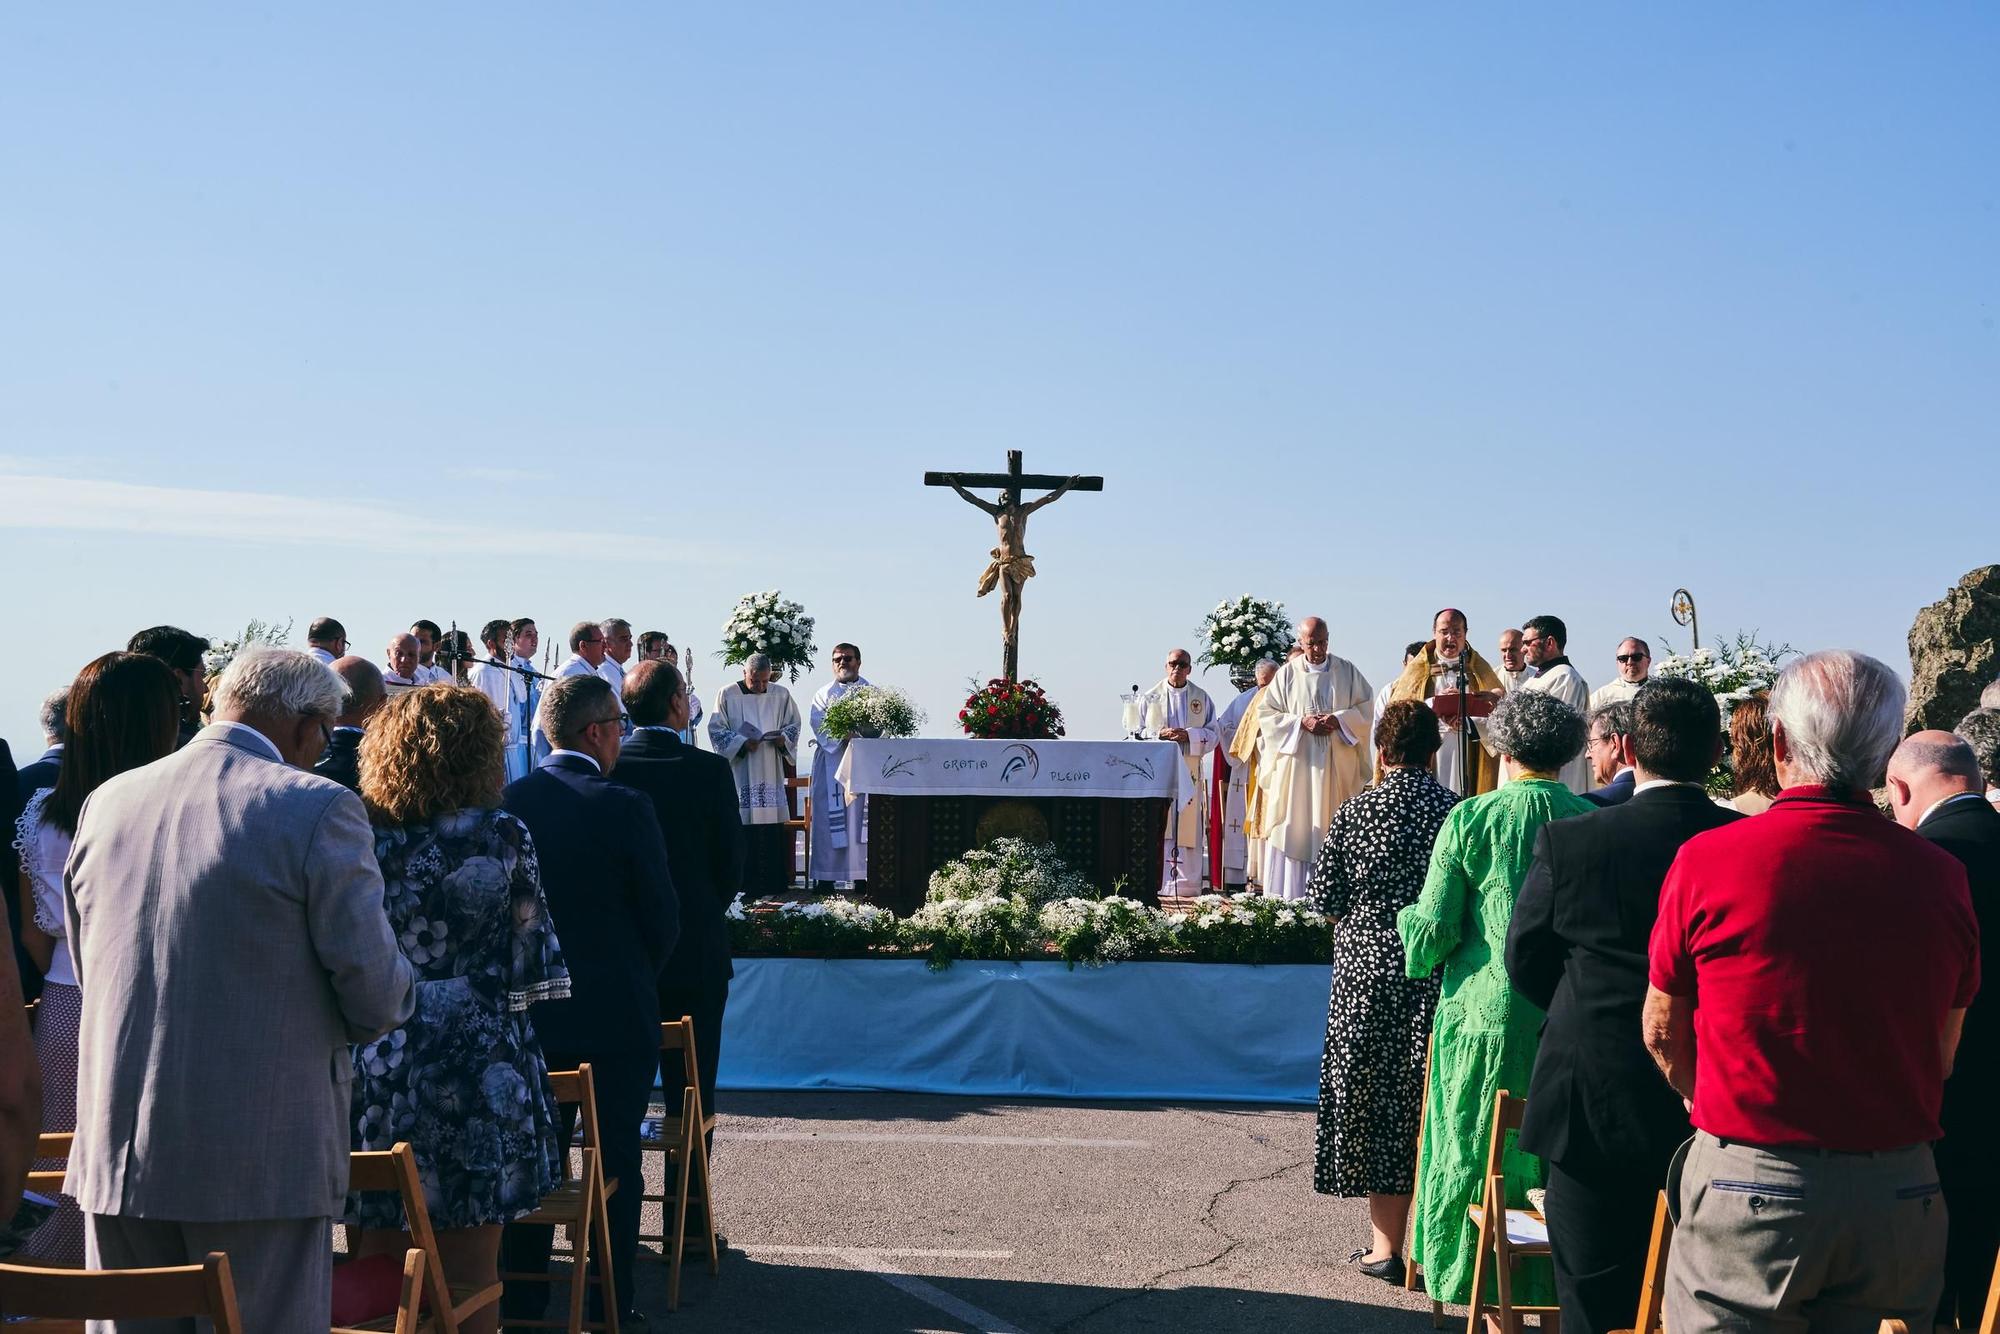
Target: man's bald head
[(365, 692), (1313, 639), (1929, 767)]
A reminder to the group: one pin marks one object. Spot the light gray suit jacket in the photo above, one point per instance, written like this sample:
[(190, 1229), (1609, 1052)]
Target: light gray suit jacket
[(225, 916)]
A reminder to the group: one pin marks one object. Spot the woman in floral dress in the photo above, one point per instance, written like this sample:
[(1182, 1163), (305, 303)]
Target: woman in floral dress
[(1379, 1019), (464, 1080)]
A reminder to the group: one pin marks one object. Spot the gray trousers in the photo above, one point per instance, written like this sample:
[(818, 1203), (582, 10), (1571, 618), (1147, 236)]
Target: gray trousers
[(1793, 1240), (282, 1267)]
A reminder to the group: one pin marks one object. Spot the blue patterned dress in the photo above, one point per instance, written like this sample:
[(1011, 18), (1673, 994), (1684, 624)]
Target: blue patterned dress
[(464, 1080)]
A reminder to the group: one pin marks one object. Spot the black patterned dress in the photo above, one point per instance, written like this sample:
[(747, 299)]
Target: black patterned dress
[(1378, 1021), (464, 1080)]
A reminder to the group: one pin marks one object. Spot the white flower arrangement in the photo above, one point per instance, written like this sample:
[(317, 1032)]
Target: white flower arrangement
[(1010, 868), (1240, 634), (768, 623), (257, 634), (1732, 672), (872, 711)]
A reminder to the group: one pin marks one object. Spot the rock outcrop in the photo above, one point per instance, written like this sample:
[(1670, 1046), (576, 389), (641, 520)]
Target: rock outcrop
[(1954, 651)]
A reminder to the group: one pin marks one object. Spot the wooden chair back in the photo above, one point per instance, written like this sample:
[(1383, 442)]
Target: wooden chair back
[(395, 1170), (578, 1205), (1989, 1320), (50, 1147), (179, 1292), (575, 1088), (1653, 1282), (678, 1035)]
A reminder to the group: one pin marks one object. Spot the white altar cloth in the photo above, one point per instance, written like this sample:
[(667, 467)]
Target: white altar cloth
[(966, 766)]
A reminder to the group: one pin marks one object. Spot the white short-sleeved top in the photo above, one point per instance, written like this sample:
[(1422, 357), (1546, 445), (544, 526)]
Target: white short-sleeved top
[(44, 852)]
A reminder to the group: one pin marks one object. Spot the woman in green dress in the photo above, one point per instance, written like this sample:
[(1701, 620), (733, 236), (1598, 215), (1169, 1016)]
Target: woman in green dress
[(1484, 1035)]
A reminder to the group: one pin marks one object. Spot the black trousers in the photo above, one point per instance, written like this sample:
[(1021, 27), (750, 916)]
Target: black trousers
[(704, 1005), (1600, 1218), (767, 860), (623, 1082), (1971, 1181)]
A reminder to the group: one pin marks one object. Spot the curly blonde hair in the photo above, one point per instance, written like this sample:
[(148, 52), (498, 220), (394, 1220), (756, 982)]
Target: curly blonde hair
[(431, 751)]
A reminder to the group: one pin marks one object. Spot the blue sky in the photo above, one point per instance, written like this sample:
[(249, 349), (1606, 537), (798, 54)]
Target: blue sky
[(478, 310)]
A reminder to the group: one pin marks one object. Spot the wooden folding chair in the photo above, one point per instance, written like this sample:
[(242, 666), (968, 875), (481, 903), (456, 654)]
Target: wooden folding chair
[(395, 1170), (577, 1207), (798, 827), (409, 1302), (57, 1298), (1501, 1232), (1411, 1276), (51, 1147), (1653, 1285), (683, 1141)]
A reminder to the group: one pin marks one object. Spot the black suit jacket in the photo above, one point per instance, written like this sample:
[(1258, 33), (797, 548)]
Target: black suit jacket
[(1970, 831), (11, 801), (611, 897), (1577, 948), (1614, 793), (342, 759), (42, 773), (694, 795)]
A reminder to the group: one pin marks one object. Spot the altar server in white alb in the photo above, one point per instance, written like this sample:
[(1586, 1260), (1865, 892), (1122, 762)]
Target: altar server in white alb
[(1513, 666), (1232, 778), (1314, 721), (839, 840), (1177, 710), (755, 726), (1543, 639)]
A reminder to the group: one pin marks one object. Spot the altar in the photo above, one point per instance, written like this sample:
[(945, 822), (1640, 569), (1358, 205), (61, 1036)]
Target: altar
[(1103, 804)]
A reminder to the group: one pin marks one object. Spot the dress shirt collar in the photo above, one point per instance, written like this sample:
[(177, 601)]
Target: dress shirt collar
[(1560, 660), (574, 755), (1940, 804), (342, 729), (657, 727), (1652, 783), (258, 740), (56, 749)]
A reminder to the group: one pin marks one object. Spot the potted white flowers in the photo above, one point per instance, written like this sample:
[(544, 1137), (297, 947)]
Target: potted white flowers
[(1240, 634), (768, 623)]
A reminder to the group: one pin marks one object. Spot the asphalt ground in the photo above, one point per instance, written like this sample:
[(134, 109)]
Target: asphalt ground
[(901, 1212)]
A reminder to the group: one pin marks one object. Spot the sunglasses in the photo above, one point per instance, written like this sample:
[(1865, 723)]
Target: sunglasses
[(1633, 657)]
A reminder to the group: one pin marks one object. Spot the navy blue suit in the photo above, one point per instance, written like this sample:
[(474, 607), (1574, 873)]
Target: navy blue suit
[(611, 897), (341, 761), (1614, 793), (1598, 1111), (42, 773), (694, 795)]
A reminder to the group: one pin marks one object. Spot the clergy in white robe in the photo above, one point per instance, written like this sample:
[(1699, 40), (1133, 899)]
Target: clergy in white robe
[(755, 726), (1543, 639), (838, 843), (1513, 667), (1315, 720), (1635, 661), (1179, 711), (1234, 784), (493, 679)]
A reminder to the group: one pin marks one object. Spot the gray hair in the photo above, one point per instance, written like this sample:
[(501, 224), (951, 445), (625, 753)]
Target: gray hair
[(55, 716), (611, 625), (1535, 729), (280, 682), (572, 703), (1616, 717), (1980, 730), (1989, 698), (1843, 714), (757, 662)]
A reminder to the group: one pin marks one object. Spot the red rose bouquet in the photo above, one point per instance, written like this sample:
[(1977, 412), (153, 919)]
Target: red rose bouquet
[(1011, 711)]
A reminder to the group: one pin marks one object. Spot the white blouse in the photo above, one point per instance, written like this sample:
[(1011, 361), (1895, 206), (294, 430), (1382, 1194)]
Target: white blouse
[(44, 852)]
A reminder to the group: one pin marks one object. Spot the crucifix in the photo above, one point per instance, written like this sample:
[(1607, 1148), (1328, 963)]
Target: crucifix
[(1011, 565)]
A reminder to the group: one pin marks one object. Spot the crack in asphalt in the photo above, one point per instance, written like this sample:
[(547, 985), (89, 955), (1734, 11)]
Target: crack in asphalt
[(1207, 1220)]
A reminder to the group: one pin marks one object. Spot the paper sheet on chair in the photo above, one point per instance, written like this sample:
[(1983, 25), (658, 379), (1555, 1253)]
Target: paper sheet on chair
[(1524, 1229)]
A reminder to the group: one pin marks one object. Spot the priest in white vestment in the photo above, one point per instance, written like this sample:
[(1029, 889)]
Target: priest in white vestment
[(755, 726), (839, 841), (527, 689), (1543, 639), (1315, 723), (1635, 662), (1177, 710), (400, 666), (1234, 778), (493, 679), (1513, 668)]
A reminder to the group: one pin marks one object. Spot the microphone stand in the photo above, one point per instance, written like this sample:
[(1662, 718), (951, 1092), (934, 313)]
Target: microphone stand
[(1465, 728)]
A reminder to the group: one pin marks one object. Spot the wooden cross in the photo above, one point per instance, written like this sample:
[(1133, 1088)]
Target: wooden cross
[(1011, 565)]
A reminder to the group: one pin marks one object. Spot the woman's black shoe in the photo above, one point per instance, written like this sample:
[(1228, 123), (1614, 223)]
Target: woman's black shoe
[(1389, 1268)]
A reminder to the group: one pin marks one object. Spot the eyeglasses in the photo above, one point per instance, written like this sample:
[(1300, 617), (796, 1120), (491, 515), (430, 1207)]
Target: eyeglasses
[(1603, 740), (615, 720), (1182, 664), (1633, 657), (842, 657)]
